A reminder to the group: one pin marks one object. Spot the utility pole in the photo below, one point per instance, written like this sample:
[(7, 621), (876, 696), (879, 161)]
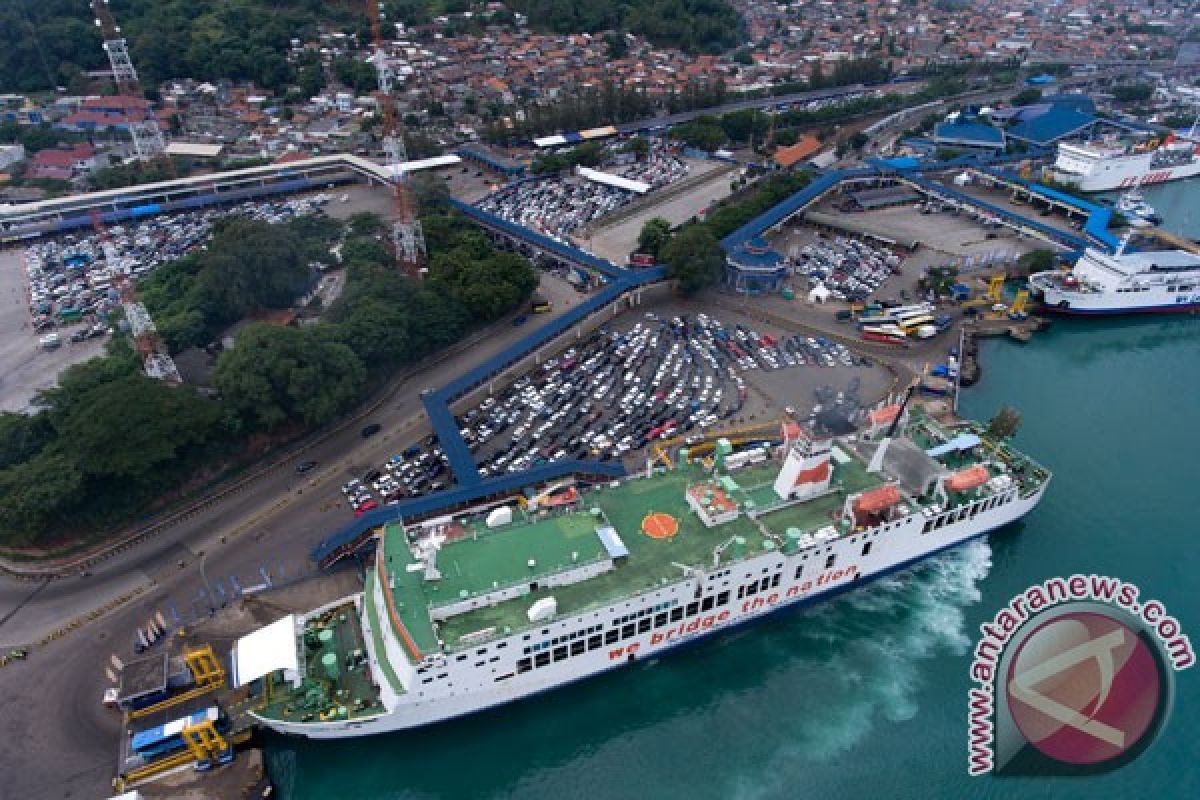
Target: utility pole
[(148, 140), (408, 239)]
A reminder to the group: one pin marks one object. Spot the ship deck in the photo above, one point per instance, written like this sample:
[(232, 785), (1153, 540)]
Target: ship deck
[(349, 695), (652, 562), (476, 560)]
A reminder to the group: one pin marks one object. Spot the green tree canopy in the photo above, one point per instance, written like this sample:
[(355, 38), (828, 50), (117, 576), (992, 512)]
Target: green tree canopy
[(694, 259), (655, 233), (274, 375)]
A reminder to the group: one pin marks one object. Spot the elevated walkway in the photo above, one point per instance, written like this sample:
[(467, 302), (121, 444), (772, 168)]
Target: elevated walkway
[(1098, 217)]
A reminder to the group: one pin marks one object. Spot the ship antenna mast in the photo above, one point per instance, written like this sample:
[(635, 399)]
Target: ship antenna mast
[(148, 141), (408, 239)]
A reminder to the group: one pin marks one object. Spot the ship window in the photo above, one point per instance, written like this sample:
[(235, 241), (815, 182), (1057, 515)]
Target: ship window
[(628, 631), (676, 614), (723, 598), (463, 657), (829, 562), (775, 580), (426, 680), (707, 603), (577, 648), (741, 592), (524, 665), (441, 676), (560, 653), (595, 641), (611, 636), (493, 659), (479, 663), (867, 548), (502, 644), (660, 619), (644, 625), (752, 588), (692, 608), (799, 570), (541, 659)]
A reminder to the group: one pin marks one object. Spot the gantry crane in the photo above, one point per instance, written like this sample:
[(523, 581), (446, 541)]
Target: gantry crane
[(148, 140), (407, 237)]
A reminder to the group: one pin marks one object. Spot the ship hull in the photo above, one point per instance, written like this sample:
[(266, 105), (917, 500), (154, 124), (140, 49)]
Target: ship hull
[(1118, 179), (1056, 301), (908, 544)]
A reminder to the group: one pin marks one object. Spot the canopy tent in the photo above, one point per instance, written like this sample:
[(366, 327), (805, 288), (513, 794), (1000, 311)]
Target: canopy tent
[(265, 651), (638, 187), (818, 294)]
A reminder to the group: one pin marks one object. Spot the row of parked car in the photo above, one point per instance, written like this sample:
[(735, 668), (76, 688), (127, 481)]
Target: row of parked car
[(420, 469), (851, 269), (76, 275)]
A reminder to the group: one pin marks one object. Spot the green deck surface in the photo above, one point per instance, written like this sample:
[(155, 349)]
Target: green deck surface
[(353, 689), (490, 559)]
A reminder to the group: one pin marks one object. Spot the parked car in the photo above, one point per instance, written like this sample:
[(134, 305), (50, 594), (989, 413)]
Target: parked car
[(371, 430), (305, 466)]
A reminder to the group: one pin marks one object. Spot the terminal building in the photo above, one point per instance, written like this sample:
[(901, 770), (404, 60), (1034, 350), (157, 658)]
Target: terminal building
[(755, 268)]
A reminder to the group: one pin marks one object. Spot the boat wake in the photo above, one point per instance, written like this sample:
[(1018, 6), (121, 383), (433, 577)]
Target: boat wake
[(858, 659)]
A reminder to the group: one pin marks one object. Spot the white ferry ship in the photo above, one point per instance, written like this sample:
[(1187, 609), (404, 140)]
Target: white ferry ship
[(1100, 168), (1123, 283), (473, 611)]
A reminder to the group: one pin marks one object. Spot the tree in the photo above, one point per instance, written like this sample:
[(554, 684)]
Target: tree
[(1005, 424), (1026, 97), (1039, 260), (132, 427), (274, 375), (656, 232), (694, 259)]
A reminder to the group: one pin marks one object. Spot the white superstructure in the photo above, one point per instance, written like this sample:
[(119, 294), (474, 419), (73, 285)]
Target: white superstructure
[(1123, 283), (1098, 168)]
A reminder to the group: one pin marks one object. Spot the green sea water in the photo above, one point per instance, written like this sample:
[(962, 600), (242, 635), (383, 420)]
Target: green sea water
[(870, 689)]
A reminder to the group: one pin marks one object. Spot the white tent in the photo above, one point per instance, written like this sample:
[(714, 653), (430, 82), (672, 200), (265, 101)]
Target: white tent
[(818, 294), (265, 651), (608, 179)]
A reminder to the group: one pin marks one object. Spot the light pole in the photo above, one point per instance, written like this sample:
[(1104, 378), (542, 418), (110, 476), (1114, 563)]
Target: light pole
[(207, 589)]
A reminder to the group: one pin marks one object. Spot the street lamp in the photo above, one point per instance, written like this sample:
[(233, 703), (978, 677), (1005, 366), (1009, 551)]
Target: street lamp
[(207, 588)]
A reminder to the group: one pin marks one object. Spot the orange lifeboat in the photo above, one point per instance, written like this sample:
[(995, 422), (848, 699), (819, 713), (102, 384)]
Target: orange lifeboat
[(968, 478)]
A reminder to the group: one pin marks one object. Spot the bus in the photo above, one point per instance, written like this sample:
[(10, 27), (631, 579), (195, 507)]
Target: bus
[(885, 334), (164, 739), (910, 324)]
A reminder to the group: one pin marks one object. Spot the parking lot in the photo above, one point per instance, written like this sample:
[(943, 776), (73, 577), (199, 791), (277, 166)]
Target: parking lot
[(676, 373), (72, 279), (562, 205)]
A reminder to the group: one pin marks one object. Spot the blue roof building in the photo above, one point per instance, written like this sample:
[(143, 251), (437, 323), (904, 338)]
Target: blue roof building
[(968, 133), (754, 268), (1049, 126)]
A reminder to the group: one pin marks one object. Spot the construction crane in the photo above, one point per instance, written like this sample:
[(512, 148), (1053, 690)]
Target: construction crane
[(148, 140), (149, 345), (408, 239)]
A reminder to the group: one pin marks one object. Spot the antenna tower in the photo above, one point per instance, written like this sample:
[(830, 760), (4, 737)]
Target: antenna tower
[(407, 237), (148, 140)]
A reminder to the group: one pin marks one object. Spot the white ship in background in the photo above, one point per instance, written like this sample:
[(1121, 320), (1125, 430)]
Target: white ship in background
[(1099, 168), (1123, 283)]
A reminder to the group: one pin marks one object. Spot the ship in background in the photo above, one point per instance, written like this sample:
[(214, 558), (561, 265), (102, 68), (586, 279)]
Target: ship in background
[(1161, 281), (1099, 167)]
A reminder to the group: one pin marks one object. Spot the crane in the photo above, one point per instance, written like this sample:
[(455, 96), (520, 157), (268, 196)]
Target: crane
[(156, 361), (148, 140), (408, 239)]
